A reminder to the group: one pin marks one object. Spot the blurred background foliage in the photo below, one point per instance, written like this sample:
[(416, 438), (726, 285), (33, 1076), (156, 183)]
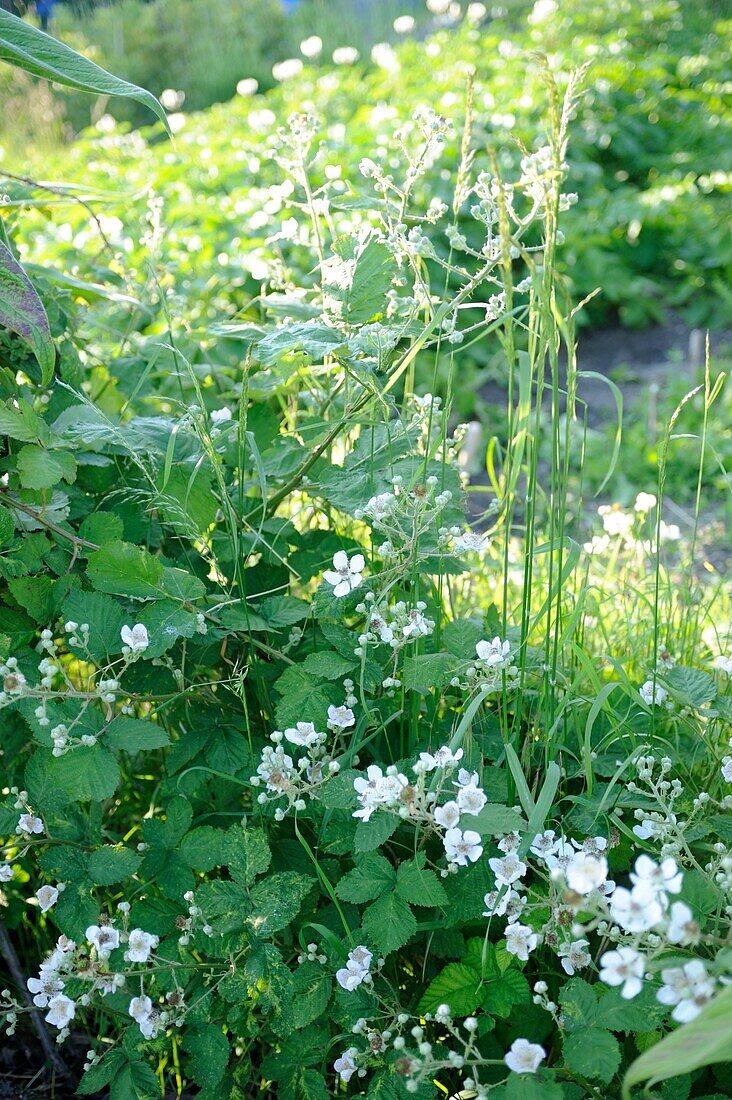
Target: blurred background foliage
[(651, 150)]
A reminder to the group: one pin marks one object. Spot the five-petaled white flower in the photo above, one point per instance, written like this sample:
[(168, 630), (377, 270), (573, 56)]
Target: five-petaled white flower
[(28, 823), (624, 967), (356, 969), (471, 800), (653, 695), (507, 870), (104, 937), (470, 542), (140, 945), (345, 575), (663, 877), (689, 988), (636, 910), (135, 637), (448, 815), (494, 654), (44, 988), (340, 718), (304, 734), (345, 1066), (574, 956), (520, 940), (462, 847), (682, 928), (524, 1057), (61, 1011), (47, 897), (586, 873), (443, 758)]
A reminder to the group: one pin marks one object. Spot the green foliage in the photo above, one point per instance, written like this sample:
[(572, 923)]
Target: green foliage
[(284, 706)]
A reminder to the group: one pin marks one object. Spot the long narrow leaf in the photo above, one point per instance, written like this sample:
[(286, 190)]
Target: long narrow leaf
[(28, 48)]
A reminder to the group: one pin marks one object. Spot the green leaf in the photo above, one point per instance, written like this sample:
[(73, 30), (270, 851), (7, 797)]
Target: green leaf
[(418, 885), (303, 698), (104, 617), (134, 735), (88, 774), (690, 686), (97, 1076), (461, 637), (204, 848), (25, 47), (328, 666), (283, 611), (166, 622), (458, 985), (529, 1086), (360, 277), (704, 1041), (277, 900), (369, 879), (579, 1005), (101, 527), (312, 986), (126, 570), (209, 1051), (35, 594), (592, 1052), (135, 1082), (112, 864), (428, 671), (338, 793), (373, 833), (21, 309), (7, 527), (20, 422), (389, 923), (247, 854), (42, 469)]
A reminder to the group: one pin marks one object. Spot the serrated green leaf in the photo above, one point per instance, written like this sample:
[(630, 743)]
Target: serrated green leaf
[(104, 617), (312, 985), (247, 854), (35, 594), (418, 885), (134, 735), (126, 570), (389, 923), (428, 671), (372, 876), (328, 666), (209, 1053), (136, 1081), (42, 469), (112, 864), (19, 421), (88, 774), (593, 1052), (204, 848), (458, 985), (690, 686), (373, 833), (276, 901)]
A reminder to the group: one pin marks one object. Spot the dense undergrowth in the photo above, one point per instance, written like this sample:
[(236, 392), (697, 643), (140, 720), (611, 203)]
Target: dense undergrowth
[(312, 788), (649, 160)]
